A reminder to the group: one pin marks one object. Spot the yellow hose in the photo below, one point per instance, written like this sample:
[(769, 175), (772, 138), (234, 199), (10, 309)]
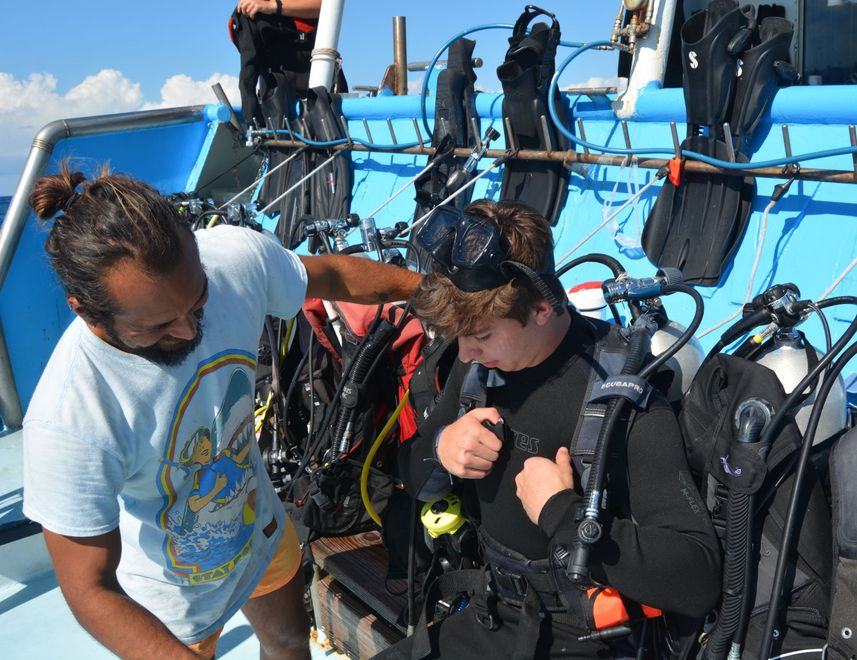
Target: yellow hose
[(286, 343), (261, 411), (364, 473)]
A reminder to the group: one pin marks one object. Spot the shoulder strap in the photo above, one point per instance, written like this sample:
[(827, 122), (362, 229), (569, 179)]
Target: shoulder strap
[(474, 389), (608, 358)]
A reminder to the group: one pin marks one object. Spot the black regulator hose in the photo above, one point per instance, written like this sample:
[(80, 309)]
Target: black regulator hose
[(366, 357), (615, 267), (739, 329), (789, 526), (751, 418), (589, 529), (597, 258), (683, 338)]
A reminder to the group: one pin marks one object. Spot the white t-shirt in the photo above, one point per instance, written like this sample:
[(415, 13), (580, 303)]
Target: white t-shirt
[(168, 454)]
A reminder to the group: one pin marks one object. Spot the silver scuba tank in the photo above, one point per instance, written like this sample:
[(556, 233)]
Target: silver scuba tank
[(683, 364), (786, 355)]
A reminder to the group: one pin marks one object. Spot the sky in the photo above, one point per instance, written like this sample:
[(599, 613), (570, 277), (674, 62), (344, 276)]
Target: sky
[(61, 59)]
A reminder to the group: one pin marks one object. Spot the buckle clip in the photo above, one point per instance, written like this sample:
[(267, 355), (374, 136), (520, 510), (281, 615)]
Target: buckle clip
[(487, 620), (519, 582)]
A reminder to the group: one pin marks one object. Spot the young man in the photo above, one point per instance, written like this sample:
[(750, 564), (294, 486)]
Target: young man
[(495, 292), (140, 459)]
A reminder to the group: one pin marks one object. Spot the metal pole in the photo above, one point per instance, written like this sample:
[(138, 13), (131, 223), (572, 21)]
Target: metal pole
[(324, 54), (809, 174), (400, 54), (10, 402)]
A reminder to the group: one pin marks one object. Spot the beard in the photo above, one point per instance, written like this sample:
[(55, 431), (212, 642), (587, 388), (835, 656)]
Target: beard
[(167, 357)]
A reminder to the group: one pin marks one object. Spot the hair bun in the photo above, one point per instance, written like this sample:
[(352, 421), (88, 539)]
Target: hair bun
[(55, 193)]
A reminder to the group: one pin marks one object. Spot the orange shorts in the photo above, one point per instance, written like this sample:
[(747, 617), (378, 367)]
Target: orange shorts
[(283, 567)]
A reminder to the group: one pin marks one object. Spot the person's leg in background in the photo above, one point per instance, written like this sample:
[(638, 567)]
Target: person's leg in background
[(276, 608)]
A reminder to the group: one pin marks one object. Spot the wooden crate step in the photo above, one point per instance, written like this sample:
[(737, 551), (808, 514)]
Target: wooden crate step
[(359, 563), (349, 624)]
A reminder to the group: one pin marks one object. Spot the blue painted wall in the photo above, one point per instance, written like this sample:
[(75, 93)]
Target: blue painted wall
[(811, 234)]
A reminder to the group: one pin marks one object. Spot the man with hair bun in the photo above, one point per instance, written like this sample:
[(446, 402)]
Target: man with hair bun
[(504, 436), (140, 460)]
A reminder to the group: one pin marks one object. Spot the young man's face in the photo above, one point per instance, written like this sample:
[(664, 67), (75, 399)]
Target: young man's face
[(157, 318), (503, 344), (507, 345)]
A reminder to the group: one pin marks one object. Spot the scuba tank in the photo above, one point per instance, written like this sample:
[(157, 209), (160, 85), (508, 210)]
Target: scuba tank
[(590, 298), (684, 364), (790, 356)]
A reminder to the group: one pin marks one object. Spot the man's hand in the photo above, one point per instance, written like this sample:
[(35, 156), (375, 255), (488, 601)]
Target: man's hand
[(252, 7), (466, 448), (541, 479), (86, 572)]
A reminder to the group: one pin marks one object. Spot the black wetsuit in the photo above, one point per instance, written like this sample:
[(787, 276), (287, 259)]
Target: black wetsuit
[(667, 556)]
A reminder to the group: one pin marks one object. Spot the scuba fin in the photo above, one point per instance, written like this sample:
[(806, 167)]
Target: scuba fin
[(525, 75), (455, 120), (278, 101), (696, 225), (330, 188)]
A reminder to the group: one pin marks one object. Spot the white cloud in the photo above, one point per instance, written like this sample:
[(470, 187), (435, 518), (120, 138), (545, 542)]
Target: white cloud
[(106, 91), (181, 90), (597, 81), (27, 105)]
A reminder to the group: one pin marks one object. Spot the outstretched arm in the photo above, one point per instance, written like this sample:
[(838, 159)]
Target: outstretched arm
[(86, 572), (354, 279)]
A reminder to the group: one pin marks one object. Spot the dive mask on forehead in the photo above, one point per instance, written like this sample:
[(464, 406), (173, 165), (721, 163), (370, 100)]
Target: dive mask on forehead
[(474, 255), (467, 249)]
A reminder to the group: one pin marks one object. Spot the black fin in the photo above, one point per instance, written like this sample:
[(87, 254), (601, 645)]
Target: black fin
[(330, 188), (761, 71), (698, 225), (455, 116), (278, 102), (709, 66), (525, 75)]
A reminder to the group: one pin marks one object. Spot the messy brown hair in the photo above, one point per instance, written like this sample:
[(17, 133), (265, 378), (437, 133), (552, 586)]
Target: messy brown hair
[(100, 221), (451, 312)]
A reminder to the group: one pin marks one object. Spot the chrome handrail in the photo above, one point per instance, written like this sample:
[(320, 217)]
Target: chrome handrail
[(19, 209)]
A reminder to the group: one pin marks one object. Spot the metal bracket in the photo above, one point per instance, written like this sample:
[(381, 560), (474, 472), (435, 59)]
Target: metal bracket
[(730, 145), (676, 143), (582, 134), (368, 132), (418, 133), (787, 142)]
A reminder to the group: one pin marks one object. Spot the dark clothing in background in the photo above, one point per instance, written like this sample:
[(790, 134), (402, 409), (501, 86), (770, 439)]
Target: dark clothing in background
[(269, 43)]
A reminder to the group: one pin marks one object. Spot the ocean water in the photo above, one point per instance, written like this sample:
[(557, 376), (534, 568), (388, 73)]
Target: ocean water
[(4, 204)]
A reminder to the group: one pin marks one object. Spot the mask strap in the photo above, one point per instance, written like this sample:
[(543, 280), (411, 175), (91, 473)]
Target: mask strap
[(542, 287)]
